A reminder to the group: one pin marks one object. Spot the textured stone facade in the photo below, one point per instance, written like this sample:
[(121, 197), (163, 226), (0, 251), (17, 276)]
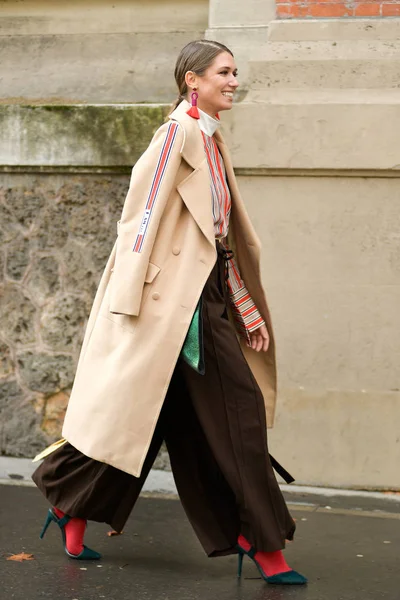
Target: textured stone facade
[(55, 236)]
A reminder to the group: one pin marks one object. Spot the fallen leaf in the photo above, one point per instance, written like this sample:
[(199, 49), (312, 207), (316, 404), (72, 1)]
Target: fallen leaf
[(112, 532), (21, 557)]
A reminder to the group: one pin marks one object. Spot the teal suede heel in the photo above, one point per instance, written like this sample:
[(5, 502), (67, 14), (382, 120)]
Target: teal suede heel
[(86, 554), (285, 578)]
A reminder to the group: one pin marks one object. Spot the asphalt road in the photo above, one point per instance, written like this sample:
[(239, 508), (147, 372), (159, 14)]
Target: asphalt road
[(349, 551)]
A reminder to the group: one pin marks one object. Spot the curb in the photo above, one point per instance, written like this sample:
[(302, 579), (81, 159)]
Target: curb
[(18, 471)]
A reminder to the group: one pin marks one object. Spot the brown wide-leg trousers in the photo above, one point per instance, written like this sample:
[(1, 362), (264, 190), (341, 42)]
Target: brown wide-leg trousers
[(215, 431)]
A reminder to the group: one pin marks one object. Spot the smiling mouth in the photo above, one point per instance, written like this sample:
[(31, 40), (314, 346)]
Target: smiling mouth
[(227, 94)]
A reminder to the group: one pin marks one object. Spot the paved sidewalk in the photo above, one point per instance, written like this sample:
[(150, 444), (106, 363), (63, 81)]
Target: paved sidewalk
[(349, 547)]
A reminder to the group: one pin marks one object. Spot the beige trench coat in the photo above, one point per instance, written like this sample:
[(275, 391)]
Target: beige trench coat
[(145, 301)]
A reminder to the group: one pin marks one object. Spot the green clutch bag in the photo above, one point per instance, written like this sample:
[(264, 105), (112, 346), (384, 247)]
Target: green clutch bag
[(193, 348)]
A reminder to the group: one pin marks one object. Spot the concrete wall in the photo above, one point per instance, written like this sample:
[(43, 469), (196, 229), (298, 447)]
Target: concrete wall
[(316, 149), (332, 272), (94, 51)]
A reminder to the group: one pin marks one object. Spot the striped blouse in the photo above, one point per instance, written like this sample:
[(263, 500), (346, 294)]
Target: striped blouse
[(247, 317)]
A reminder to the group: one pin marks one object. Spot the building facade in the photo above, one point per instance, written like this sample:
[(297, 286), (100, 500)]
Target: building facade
[(314, 138)]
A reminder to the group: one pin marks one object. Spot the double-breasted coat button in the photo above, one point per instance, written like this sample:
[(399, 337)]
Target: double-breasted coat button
[(176, 250), (155, 296)]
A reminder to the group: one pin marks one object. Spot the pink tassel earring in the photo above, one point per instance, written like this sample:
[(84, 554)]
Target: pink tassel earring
[(193, 110)]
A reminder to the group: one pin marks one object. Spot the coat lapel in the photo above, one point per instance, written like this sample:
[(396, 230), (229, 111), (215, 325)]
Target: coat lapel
[(193, 147), (195, 188)]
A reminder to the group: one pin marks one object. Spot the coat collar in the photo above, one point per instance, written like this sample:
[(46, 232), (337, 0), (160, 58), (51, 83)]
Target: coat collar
[(193, 146), (207, 123)]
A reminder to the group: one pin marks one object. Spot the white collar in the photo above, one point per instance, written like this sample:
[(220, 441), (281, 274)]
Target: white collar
[(207, 124)]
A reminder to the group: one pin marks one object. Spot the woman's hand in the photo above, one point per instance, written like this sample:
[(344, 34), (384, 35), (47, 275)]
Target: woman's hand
[(259, 339)]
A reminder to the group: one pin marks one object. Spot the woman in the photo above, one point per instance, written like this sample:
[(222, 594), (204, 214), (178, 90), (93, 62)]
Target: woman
[(161, 359)]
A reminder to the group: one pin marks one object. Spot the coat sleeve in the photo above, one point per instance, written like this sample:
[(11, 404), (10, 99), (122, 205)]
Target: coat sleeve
[(151, 183)]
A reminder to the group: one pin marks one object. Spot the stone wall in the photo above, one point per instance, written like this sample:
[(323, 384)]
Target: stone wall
[(55, 237), (64, 174)]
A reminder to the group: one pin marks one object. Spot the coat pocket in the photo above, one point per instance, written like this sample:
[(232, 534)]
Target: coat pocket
[(152, 271), (129, 322)]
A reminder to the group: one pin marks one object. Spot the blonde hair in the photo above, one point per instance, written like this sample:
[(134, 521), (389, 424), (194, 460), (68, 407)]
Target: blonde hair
[(196, 56)]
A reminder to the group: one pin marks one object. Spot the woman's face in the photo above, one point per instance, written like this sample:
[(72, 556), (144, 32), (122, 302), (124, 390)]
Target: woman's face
[(217, 86)]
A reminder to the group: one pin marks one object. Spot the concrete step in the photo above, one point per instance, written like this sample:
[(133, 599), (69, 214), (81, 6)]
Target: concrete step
[(355, 29), (350, 74), (326, 64)]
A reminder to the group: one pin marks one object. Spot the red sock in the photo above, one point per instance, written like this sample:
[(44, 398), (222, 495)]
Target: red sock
[(74, 532), (270, 562)]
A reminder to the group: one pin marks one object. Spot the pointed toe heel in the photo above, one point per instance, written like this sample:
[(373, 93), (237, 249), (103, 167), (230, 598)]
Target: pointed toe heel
[(287, 578), (86, 554)]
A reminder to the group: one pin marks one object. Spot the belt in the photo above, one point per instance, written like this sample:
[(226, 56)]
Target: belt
[(227, 255), (280, 470)]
